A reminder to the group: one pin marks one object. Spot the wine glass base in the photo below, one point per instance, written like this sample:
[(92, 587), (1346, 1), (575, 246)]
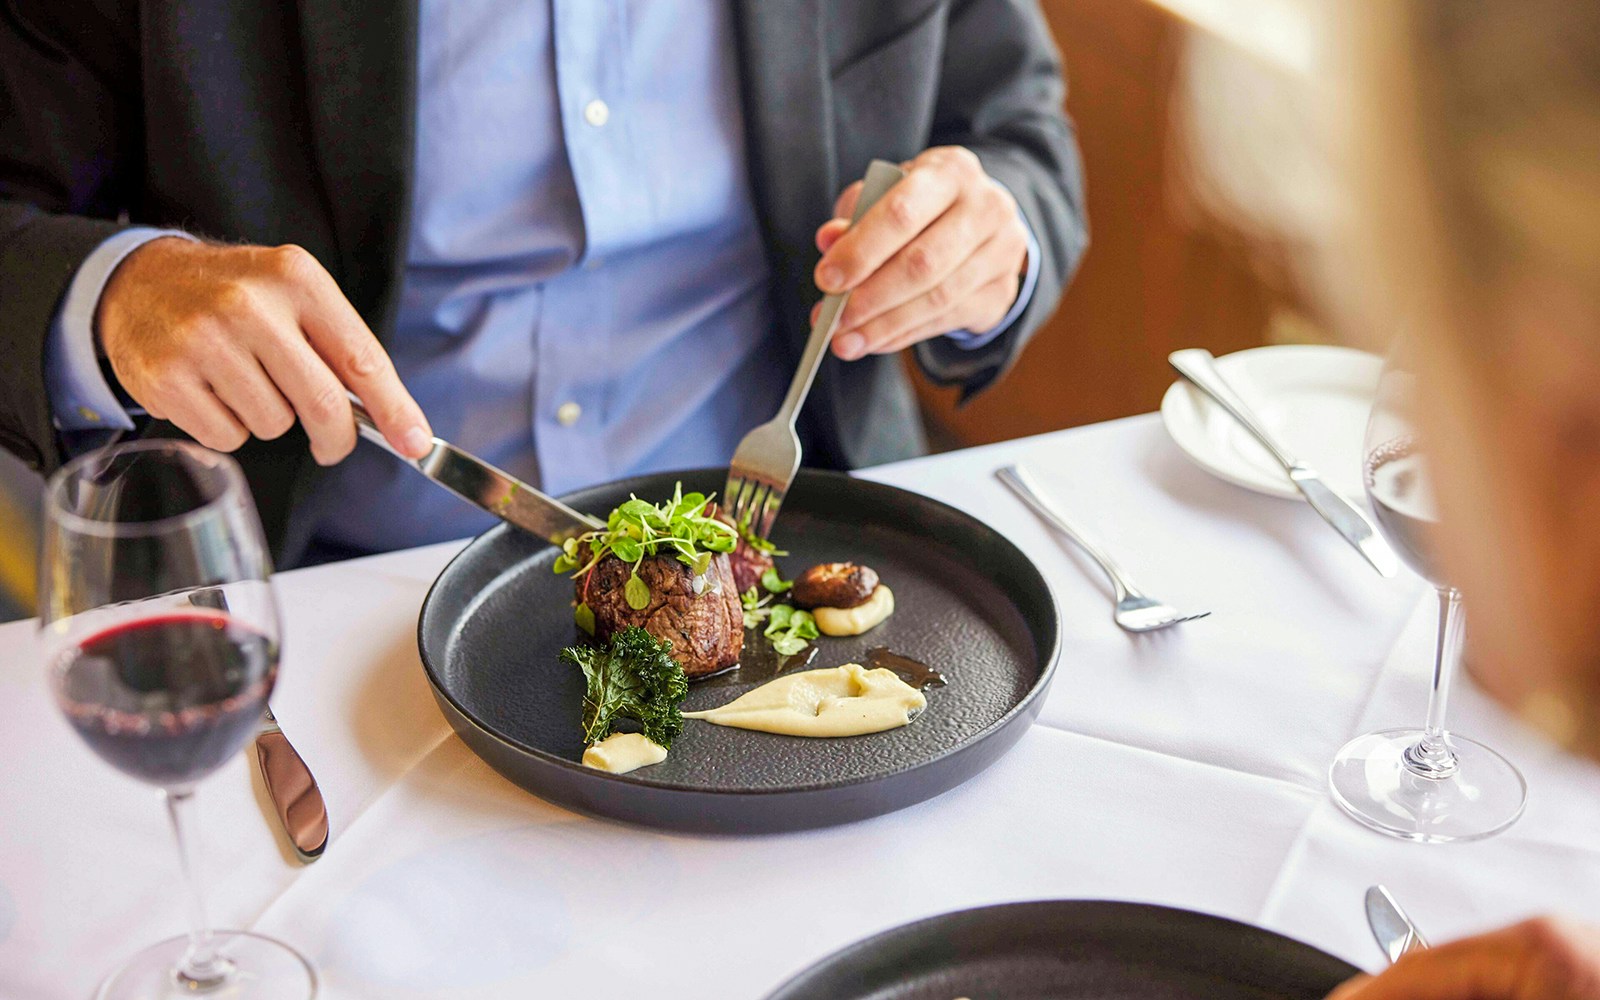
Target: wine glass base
[(264, 969), (1371, 782)]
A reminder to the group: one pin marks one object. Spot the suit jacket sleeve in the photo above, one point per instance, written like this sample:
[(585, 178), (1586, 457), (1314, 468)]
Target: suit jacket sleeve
[(1001, 92), (67, 96)]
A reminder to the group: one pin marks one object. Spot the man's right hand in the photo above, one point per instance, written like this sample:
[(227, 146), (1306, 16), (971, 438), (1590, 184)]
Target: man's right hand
[(229, 341)]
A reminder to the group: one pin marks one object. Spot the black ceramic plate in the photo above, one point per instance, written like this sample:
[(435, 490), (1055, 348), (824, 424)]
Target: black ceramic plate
[(1072, 950), (968, 602)]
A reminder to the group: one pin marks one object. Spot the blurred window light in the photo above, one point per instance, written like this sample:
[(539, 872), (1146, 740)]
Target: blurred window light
[(1281, 32)]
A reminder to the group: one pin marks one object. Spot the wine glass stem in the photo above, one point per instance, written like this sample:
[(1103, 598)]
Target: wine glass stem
[(1431, 756), (201, 968)]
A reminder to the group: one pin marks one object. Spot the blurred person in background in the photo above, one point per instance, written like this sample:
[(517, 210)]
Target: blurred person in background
[(579, 238), (1474, 131), (1433, 166)]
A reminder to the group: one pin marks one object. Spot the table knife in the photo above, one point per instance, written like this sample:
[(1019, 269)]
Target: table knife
[(1199, 368), (296, 799), (481, 484), (1396, 934)]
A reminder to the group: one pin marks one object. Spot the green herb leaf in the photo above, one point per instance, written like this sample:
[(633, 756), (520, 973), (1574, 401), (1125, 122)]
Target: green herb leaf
[(774, 583), (584, 616), (637, 592), (634, 677), (564, 564), (778, 619), (788, 645), (788, 628), (628, 550)]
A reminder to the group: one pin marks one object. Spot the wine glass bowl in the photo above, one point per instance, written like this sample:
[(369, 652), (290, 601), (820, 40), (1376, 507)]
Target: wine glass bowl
[(161, 637), (1427, 784)]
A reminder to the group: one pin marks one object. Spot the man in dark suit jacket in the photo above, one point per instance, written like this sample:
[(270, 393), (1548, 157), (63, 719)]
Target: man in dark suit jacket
[(289, 131)]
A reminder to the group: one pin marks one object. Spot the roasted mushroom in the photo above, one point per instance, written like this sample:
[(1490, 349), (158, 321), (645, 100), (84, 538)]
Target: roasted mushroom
[(835, 585)]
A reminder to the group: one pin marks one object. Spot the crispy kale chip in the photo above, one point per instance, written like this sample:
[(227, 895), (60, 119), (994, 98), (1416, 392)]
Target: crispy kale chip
[(634, 677)]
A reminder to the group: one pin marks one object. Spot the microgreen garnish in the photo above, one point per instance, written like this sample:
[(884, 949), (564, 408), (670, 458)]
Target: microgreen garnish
[(683, 527), (755, 541), (790, 629), (755, 606), (774, 583)]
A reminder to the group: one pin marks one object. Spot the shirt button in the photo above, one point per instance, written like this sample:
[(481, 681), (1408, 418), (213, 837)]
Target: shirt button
[(88, 414), (568, 413), (596, 113)]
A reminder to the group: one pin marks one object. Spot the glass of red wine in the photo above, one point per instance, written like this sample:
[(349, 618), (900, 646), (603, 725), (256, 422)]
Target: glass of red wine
[(161, 636), (1429, 784)]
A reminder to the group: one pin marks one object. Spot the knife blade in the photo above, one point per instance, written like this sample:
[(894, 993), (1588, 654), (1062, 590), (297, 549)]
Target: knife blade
[(296, 799), (1395, 932), (482, 485), (1198, 367)]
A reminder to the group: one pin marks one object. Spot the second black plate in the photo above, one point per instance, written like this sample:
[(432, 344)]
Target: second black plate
[(1073, 950), (968, 603)]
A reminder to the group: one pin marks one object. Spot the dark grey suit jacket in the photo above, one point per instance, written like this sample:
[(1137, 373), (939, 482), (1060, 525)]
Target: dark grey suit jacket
[(292, 122)]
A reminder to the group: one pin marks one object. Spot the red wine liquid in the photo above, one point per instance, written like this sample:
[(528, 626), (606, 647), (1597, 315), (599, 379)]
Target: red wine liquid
[(168, 700)]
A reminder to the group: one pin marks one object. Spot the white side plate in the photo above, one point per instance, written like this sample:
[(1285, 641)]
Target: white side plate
[(1315, 399)]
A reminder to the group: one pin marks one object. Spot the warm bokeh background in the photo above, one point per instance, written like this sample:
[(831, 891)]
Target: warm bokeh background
[(1160, 274)]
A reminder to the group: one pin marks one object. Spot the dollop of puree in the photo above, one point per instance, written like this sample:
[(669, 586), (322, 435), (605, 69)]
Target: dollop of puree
[(620, 753), (856, 620), (837, 701)]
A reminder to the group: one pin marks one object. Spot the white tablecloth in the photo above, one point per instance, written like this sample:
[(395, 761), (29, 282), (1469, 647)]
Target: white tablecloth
[(1185, 768)]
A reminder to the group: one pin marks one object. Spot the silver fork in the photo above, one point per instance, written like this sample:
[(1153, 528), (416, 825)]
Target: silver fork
[(1135, 611), (765, 463)]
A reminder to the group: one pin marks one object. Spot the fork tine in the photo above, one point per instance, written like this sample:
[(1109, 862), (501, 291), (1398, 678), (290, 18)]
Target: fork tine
[(770, 510), (738, 496), (752, 508)]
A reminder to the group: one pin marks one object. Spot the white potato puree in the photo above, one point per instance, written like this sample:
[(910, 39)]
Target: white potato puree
[(837, 701), (856, 620), (620, 753)]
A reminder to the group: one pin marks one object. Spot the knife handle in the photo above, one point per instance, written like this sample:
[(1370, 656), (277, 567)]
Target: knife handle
[(1199, 367), (294, 794), (366, 428), (881, 176)]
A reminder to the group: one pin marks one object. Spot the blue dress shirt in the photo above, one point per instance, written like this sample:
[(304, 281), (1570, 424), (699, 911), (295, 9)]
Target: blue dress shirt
[(585, 291)]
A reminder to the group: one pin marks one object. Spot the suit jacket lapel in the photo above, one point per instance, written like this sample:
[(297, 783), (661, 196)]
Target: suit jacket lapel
[(361, 81), (788, 113)]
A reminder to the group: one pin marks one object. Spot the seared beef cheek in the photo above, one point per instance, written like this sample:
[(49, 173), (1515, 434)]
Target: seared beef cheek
[(748, 564), (706, 629)]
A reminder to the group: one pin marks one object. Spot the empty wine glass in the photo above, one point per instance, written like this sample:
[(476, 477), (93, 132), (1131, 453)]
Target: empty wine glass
[(160, 633), (1425, 784)]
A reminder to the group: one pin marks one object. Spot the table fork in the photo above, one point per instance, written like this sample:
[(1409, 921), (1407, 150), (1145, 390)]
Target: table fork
[(1135, 611), (765, 463)]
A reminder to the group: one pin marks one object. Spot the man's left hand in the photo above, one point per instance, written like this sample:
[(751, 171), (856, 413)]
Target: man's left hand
[(944, 250)]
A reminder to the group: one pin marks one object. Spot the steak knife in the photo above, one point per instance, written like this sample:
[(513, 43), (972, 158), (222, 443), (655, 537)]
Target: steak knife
[(1199, 368), (482, 485), (1392, 928), (296, 799)]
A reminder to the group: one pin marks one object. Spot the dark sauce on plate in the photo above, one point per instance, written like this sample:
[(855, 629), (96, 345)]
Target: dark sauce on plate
[(758, 663), (914, 672)]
